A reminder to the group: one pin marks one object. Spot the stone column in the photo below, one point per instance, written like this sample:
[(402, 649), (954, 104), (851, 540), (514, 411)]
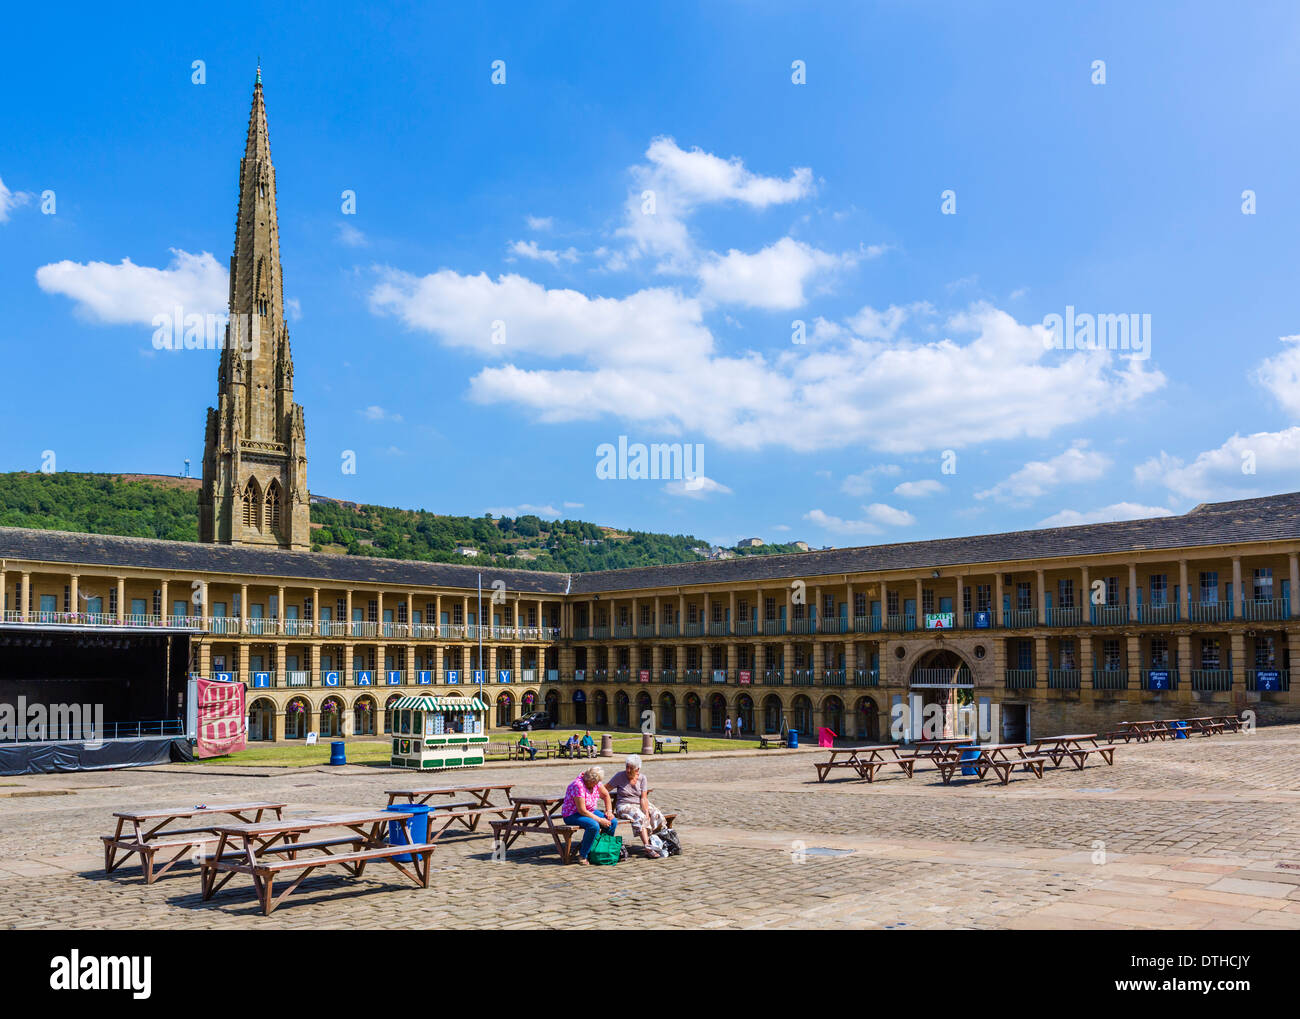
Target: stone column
[(1134, 663), (1132, 592), (884, 605), (1295, 585), (277, 661), (1238, 595), (162, 600), (121, 596), (1184, 664), (74, 582), (818, 660), (1041, 663), (1185, 591), (408, 673), (1041, 583), (1238, 661), (957, 605), (243, 607), (347, 611), (1085, 596), (681, 616), (997, 599)]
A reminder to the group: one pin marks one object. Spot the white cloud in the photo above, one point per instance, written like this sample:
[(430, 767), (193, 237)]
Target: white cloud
[(376, 413), (773, 278), (1036, 478), (860, 484), (293, 308), (352, 237), (1243, 467), (572, 505), (1280, 375), (529, 249), (918, 489), (10, 200), (526, 509), (1105, 514), (871, 324), (648, 360), (540, 223), (824, 520), (133, 294), (696, 488), (888, 515), (682, 181)]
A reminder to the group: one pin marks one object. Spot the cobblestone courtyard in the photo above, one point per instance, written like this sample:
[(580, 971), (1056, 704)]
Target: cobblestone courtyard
[(1201, 833)]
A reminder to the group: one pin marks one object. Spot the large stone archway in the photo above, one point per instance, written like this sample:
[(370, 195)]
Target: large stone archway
[(940, 689)]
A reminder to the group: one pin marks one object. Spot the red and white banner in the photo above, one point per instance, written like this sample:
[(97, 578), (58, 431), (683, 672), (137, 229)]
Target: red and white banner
[(222, 719)]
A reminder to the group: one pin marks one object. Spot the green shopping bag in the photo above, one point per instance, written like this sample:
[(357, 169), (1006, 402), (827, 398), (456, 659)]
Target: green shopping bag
[(606, 850)]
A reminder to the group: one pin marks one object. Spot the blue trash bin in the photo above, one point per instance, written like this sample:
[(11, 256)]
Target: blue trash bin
[(419, 825), (337, 756), (1182, 729), (969, 754), (792, 739)]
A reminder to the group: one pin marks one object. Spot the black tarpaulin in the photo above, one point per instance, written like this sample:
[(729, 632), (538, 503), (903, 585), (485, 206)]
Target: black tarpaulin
[(45, 758)]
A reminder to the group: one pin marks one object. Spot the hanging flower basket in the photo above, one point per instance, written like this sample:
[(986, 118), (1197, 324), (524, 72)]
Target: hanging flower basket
[(330, 706), (295, 708)]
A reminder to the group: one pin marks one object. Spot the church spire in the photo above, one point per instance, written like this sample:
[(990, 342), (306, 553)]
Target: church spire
[(255, 458)]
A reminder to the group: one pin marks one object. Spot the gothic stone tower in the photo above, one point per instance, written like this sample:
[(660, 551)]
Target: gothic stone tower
[(255, 451)]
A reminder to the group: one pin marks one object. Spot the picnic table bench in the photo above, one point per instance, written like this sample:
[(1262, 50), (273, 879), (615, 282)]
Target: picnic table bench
[(1205, 726), (939, 749), (243, 849), (1076, 746), (464, 811), (1000, 758), (547, 821), (147, 842), (866, 761), (772, 739), (662, 743)]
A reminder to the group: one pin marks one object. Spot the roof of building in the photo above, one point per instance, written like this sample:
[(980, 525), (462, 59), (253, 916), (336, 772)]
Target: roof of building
[(145, 553), (1271, 518)]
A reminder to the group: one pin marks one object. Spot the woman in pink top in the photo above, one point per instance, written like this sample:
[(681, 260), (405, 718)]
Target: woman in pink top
[(580, 808)]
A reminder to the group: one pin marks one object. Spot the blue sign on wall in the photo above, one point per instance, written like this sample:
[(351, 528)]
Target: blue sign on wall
[(1158, 679), (365, 678), (983, 620), (424, 677), (503, 675), (1268, 680), (480, 676), (452, 675), (331, 679), (227, 677), (394, 678), (579, 697), (261, 679)]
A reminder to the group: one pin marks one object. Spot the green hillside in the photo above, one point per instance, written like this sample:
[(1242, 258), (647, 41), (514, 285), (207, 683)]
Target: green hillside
[(150, 506)]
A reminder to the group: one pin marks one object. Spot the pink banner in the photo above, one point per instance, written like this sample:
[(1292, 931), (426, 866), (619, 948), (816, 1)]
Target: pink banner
[(746, 676), (223, 722), (644, 677), (826, 738)]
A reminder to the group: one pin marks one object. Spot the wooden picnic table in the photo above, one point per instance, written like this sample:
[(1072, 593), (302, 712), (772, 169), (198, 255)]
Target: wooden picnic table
[(522, 821), (243, 849), (466, 813), (151, 831), (866, 760), (1207, 725), (939, 748), (1000, 758), (1075, 746)]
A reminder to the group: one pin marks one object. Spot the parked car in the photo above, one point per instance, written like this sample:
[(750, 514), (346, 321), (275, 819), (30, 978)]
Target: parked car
[(533, 720)]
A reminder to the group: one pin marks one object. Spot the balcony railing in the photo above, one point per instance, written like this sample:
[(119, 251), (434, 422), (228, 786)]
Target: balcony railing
[(1066, 615), (833, 624), (941, 677), (866, 677), (1021, 618), (1109, 679), (803, 677), (1266, 609), (1210, 612), (1020, 679), (719, 629), (773, 677), (804, 625), (645, 629), (1163, 613), (1109, 615), (1211, 679), (622, 632), (900, 622), (693, 676), (693, 630), (746, 628), (866, 624), (668, 630), (773, 627), (668, 675), (1064, 679), (834, 677)]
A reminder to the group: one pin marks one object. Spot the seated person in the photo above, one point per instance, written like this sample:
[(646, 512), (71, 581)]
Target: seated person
[(525, 744), (571, 745), (589, 745), (631, 794), (579, 808)]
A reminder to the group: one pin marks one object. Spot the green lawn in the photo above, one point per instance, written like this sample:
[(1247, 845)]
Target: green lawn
[(379, 751)]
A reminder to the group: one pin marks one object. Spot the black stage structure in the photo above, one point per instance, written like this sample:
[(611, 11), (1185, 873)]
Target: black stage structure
[(83, 698)]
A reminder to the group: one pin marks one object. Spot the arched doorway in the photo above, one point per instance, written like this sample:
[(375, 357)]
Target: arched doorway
[(717, 712), (622, 709), (261, 720), (940, 694), (644, 711), (801, 716), (600, 700), (553, 706), (833, 715), (505, 710), (693, 712), (745, 712), (363, 717), (866, 718), (528, 702), (772, 713), (331, 718), (580, 708), (667, 713), (297, 719), (388, 712)]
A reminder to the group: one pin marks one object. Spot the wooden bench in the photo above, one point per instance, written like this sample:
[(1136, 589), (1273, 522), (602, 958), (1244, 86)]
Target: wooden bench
[(576, 752), (771, 739), (147, 841), (662, 743), (948, 766)]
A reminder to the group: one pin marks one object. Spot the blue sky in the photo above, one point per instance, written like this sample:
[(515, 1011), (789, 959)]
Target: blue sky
[(923, 400)]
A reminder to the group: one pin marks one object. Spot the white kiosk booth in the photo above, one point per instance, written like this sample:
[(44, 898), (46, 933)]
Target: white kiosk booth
[(439, 732)]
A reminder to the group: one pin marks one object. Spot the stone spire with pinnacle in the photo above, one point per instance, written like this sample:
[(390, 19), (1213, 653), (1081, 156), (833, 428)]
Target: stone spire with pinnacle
[(255, 458)]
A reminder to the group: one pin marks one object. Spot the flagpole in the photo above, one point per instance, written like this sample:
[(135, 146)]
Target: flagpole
[(480, 633)]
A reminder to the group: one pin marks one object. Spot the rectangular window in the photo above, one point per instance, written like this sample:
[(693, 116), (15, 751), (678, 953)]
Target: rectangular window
[(1065, 592), (372, 610), (828, 606), (1024, 597), (341, 609), (965, 599), (1159, 589), (1209, 653), (1025, 654), (1110, 655), (859, 605), (458, 615), (1159, 653), (927, 600), (892, 602), (1112, 590), (67, 597), (1067, 653), (769, 608), (1209, 587), (1264, 584), (983, 598)]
